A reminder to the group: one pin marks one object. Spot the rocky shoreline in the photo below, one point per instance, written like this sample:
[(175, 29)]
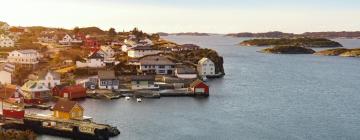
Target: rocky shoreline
[(340, 52)]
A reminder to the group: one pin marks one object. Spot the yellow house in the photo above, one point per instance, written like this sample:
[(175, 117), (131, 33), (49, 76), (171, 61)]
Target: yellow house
[(64, 109)]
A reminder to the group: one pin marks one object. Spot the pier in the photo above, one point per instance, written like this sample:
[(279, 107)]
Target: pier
[(76, 129)]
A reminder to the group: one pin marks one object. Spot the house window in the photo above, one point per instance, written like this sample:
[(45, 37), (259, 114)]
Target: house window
[(110, 82), (103, 82), (138, 82), (161, 67), (161, 71)]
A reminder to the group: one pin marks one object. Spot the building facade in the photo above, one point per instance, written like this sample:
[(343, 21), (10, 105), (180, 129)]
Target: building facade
[(24, 57), (156, 65), (206, 67)]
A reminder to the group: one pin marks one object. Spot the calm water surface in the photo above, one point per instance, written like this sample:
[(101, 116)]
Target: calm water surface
[(263, 96)]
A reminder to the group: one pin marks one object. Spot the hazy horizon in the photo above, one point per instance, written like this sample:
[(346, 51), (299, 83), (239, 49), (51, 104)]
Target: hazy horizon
[(228, 16)]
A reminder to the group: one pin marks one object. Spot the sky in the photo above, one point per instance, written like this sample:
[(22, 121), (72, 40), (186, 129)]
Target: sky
[(210, 16)]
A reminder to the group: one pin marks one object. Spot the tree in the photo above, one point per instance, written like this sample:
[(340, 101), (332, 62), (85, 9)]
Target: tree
[(155, 37), (76, 30), (112, 32)]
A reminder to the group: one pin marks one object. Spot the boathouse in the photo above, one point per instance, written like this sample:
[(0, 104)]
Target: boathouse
[(69, 92), (198, 87), (65, 109)]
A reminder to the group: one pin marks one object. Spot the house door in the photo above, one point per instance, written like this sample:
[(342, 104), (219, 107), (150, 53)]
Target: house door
[(199, 90)]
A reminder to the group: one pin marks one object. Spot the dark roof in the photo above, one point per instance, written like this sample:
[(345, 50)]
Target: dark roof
[(148, 47), (143, 78), (156, 60), (64, 105), (185, 70), (96, 55), (106, 74)]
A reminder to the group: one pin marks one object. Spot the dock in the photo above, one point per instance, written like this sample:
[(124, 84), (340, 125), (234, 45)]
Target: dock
[(76, 129)]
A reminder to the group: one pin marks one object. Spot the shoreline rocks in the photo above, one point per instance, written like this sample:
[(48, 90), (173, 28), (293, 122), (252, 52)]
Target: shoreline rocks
[(340, 52)]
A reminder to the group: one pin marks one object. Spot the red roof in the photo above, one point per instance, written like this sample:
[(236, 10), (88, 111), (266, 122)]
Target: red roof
[(15, 29)]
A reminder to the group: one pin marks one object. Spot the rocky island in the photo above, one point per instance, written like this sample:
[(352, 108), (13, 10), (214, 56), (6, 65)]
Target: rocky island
[(277, 34), (302, 42), (340, 52), (288, 50)]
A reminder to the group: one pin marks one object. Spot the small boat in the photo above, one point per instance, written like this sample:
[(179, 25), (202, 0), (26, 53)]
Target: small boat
[(127, 98), (138, 99)]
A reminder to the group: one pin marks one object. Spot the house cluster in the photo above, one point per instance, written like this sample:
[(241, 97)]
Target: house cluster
[(14, 98), (105, 56), (48, 37)]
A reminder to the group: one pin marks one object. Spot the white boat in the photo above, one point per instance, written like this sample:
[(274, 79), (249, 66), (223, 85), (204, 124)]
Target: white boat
[(127, 98), (138, 99)]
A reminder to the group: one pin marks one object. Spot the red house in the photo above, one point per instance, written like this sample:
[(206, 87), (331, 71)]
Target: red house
[(12, 99), (69, 92), (92, 44), (198, 87)]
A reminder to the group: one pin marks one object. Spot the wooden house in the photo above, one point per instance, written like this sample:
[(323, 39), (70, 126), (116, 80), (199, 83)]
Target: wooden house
[(65, 109), (69, 92), (198, 87)]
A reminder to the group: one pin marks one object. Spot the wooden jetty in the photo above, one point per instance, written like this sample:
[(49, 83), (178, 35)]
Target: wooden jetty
[(76, 129)]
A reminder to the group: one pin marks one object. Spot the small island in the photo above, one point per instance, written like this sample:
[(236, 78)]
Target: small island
[(192, 34), (302, 42), (288, 50), (340, 52), (277, 34)]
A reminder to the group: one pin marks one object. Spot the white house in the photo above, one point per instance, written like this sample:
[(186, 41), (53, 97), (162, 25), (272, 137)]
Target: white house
[(6, 41), (24, 57), (50, 79), (68, 40), (95, 60), (185, 72), (206, 67), (141, 51), (6, 72), (156, 64)]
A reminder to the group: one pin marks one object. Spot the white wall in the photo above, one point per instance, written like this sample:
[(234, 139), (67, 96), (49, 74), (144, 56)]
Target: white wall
[(5, 77)]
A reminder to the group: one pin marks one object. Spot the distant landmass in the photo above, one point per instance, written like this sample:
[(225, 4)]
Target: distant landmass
[(301, 42), (288, 50), (185, 33), (277, 34)]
